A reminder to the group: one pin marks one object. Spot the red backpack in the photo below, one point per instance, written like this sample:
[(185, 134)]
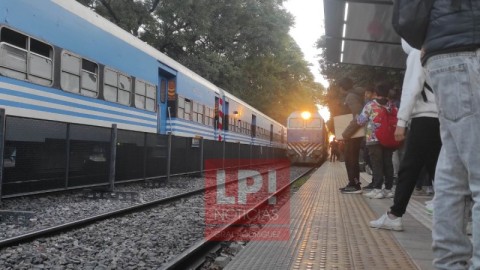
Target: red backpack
[(385, 132)]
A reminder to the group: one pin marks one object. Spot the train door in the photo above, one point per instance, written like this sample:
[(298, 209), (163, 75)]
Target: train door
[(167, 97), (162, 86), (226, 114), (254, 126), (219, 118)]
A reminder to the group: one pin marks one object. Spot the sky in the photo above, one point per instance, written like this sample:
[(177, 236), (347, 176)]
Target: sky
[(308, 28)]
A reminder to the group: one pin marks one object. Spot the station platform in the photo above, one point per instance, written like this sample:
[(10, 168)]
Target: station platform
[(330, 230)]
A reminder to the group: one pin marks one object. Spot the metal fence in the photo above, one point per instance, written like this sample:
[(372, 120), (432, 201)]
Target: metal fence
[(48, 156)]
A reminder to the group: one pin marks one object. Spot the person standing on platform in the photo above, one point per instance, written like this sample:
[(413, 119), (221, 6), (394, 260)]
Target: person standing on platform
[(423, 144), (451, 47), (354, 102), (380, 156), (333, 150), (369, 96)]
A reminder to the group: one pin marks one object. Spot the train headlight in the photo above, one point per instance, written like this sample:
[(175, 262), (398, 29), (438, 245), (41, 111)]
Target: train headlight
[(306, 115)]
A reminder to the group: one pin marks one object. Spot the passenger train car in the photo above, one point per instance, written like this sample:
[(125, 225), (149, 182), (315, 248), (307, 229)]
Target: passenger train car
[(65, 69), (307, 138)]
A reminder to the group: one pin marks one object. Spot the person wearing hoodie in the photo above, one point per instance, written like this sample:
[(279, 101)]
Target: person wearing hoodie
[(354, 102), (380, 156), (423, 145)]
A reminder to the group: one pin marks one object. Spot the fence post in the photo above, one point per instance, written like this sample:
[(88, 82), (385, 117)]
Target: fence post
[(201, 157), (251, 154), (223, 153), (145, 154), (113, 156), (238, 156), (67, 158), (169, 155), (2, 147)]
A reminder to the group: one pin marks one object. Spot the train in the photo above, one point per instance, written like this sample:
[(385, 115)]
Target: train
[(307, 138), (68, 76)]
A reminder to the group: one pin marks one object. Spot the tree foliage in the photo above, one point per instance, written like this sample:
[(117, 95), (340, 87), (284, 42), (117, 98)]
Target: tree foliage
[(243, 46)]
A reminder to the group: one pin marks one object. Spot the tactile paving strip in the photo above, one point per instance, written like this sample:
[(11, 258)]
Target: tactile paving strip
[(329, 230)]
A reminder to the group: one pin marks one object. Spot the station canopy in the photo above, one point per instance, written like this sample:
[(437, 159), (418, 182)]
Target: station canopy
[(360, 32)]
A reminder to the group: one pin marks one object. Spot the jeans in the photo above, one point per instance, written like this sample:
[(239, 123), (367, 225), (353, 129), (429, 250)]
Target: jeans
[(421, 150), (455, 78), (382, 166), (352, 153)]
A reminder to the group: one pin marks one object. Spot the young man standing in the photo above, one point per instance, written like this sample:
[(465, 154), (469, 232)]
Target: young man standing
[(452, 61), (354, 102)]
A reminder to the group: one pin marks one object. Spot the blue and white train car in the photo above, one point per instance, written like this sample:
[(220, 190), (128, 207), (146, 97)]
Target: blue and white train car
[(247, 125), (67, 75), (61, 61)]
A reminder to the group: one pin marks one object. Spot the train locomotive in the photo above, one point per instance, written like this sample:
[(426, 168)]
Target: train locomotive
[(307, 138), (67, 75)]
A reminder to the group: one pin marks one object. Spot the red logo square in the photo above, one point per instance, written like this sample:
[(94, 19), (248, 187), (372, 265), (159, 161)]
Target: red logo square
[(246, 203)]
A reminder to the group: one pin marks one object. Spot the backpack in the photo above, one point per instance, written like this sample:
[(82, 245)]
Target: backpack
[(385, 132), (410, 19)]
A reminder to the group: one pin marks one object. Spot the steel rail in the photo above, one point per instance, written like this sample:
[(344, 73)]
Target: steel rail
[(195, 255), (30, 236)]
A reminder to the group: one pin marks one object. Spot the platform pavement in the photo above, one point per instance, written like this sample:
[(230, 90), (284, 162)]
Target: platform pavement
[(329, 230), (416, 238)]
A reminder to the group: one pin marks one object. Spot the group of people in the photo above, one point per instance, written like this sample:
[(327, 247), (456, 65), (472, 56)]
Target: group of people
[(439, 105)]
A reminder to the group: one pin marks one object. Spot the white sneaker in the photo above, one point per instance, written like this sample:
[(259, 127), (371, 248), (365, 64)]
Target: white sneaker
[(375, 194), (429, 207), (380, 195), (384, 222), (388, 193)]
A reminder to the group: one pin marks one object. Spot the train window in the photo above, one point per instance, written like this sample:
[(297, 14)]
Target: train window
[(188, 110), (14, 38), (79, 75), (296, 123), (201, 114), (163, 90), (231, 124), (209, 116), (140, 93), (117, 87), (145, 95), (25, 58), (151, 97), (313, 123), (40, 48), (124, 89), (197, 114), (181, 107)]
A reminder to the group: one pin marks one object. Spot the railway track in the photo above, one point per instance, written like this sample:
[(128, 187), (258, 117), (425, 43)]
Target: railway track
[(76, 224), (194, 257)]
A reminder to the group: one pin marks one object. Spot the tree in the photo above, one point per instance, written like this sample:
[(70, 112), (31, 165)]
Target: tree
[(242, 46)]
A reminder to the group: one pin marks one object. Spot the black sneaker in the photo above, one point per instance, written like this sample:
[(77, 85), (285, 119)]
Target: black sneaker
[(352, 190), (342, 188), (369, 186)]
